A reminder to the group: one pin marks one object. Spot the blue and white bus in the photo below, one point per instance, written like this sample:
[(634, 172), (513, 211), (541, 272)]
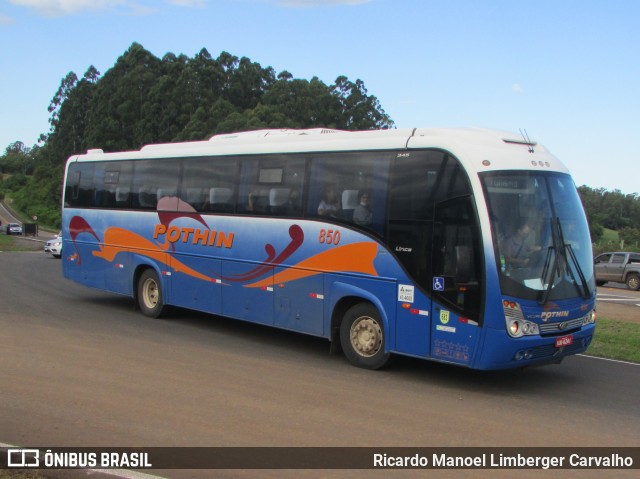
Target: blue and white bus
[(465, 246)]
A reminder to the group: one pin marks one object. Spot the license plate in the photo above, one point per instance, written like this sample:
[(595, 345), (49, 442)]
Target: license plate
[(563, 341)]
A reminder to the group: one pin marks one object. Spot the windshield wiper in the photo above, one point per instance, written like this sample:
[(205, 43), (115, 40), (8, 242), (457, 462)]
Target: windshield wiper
[(561, 248), (554, 267), (586, 293)]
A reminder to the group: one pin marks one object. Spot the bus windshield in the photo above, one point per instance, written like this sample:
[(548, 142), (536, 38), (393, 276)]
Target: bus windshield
[(541, 237)]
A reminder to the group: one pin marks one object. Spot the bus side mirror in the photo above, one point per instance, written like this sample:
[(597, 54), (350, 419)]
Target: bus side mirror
[(463, 264)]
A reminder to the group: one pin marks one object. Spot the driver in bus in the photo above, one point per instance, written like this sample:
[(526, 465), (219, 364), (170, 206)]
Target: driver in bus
[(518, 251)]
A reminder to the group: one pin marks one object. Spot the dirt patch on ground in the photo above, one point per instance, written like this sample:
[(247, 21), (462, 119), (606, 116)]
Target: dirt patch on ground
[(620, 312)]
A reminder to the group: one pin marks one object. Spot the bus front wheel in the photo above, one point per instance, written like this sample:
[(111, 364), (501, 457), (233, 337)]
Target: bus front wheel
[(150, 294), (362, 337)]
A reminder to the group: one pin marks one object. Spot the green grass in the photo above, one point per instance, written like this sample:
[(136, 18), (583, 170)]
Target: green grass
[(10, 243), (610, 236), (610, 241), (616, 340)]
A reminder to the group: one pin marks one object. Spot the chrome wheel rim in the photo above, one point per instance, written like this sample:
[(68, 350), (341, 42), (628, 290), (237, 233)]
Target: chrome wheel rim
[(366, 336), (150, 293)]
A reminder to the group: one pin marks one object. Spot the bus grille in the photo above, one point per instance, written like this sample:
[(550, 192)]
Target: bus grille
[(554, 328)]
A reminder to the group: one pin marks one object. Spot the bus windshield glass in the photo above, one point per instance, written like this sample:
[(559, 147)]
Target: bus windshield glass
[(541, 237)]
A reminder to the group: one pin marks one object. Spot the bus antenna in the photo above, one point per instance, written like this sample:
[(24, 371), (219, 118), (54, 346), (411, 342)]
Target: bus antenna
[(525, 136)]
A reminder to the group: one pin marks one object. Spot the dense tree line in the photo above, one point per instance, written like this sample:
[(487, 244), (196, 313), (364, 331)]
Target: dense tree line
[(613, 210), (144, 99)]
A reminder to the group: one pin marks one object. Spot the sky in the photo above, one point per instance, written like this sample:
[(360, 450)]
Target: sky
[(566, 71)]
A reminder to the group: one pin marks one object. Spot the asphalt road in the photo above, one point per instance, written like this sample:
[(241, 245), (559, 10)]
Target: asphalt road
[(618, 293), (81, 368)]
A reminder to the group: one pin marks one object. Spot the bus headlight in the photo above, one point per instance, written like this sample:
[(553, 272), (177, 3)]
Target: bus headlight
[(514, 328), (589, 318), (519, 327)]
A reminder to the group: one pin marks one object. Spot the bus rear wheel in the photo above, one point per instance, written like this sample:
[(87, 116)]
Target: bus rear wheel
[(150, 294), (362, 337)]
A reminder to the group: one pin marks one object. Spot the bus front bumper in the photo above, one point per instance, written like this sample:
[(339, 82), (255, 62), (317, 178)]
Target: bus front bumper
[(509, 352)]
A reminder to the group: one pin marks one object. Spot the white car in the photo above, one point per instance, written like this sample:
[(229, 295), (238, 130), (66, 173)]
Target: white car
[(54, 246), (14, 229)]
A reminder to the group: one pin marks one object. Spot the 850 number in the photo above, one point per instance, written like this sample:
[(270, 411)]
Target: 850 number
[(329, 237)]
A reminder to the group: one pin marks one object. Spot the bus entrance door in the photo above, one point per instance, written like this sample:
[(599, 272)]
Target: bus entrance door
[(453, 337), (455, 285)]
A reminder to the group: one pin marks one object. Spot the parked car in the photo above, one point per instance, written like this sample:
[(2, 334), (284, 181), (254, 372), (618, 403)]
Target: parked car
[(14, 229), (54, 246), (619, 267)]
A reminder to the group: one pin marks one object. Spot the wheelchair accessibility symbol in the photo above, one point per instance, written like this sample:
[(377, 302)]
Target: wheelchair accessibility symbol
[(438, 283)]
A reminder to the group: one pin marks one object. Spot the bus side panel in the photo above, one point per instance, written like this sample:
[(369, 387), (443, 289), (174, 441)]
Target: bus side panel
[(118, 275), (196, 293), (454, 338), (298, 304), (79, 263), (242, 302), (413, 322)]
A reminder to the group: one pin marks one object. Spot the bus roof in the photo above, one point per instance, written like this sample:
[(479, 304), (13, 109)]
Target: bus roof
[(478, 148)]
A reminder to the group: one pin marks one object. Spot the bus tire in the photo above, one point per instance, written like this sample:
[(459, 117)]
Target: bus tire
[(150, 294), (362, 337)]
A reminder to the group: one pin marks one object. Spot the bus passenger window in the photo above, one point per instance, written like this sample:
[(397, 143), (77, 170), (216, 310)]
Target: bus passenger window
[(294, 204), (220, 200), (123, 195), (351, 187), (349, 203), (208, 184), (146, 198), (273, 185), (278, 200), (329, 204), (167, 199), (362, 213), (257, 201), (195, 197)]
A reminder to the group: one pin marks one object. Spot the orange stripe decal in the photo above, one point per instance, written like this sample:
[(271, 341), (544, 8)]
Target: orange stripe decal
[(118, 240), (355, 258)]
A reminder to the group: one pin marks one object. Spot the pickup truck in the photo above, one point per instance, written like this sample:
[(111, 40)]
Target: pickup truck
[(618, 267)]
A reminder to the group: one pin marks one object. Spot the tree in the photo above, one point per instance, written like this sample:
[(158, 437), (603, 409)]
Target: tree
[(302, 103), (117, 119), (613, 210), (67, 85), (17, 159), (143, 99), (359, 111)]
